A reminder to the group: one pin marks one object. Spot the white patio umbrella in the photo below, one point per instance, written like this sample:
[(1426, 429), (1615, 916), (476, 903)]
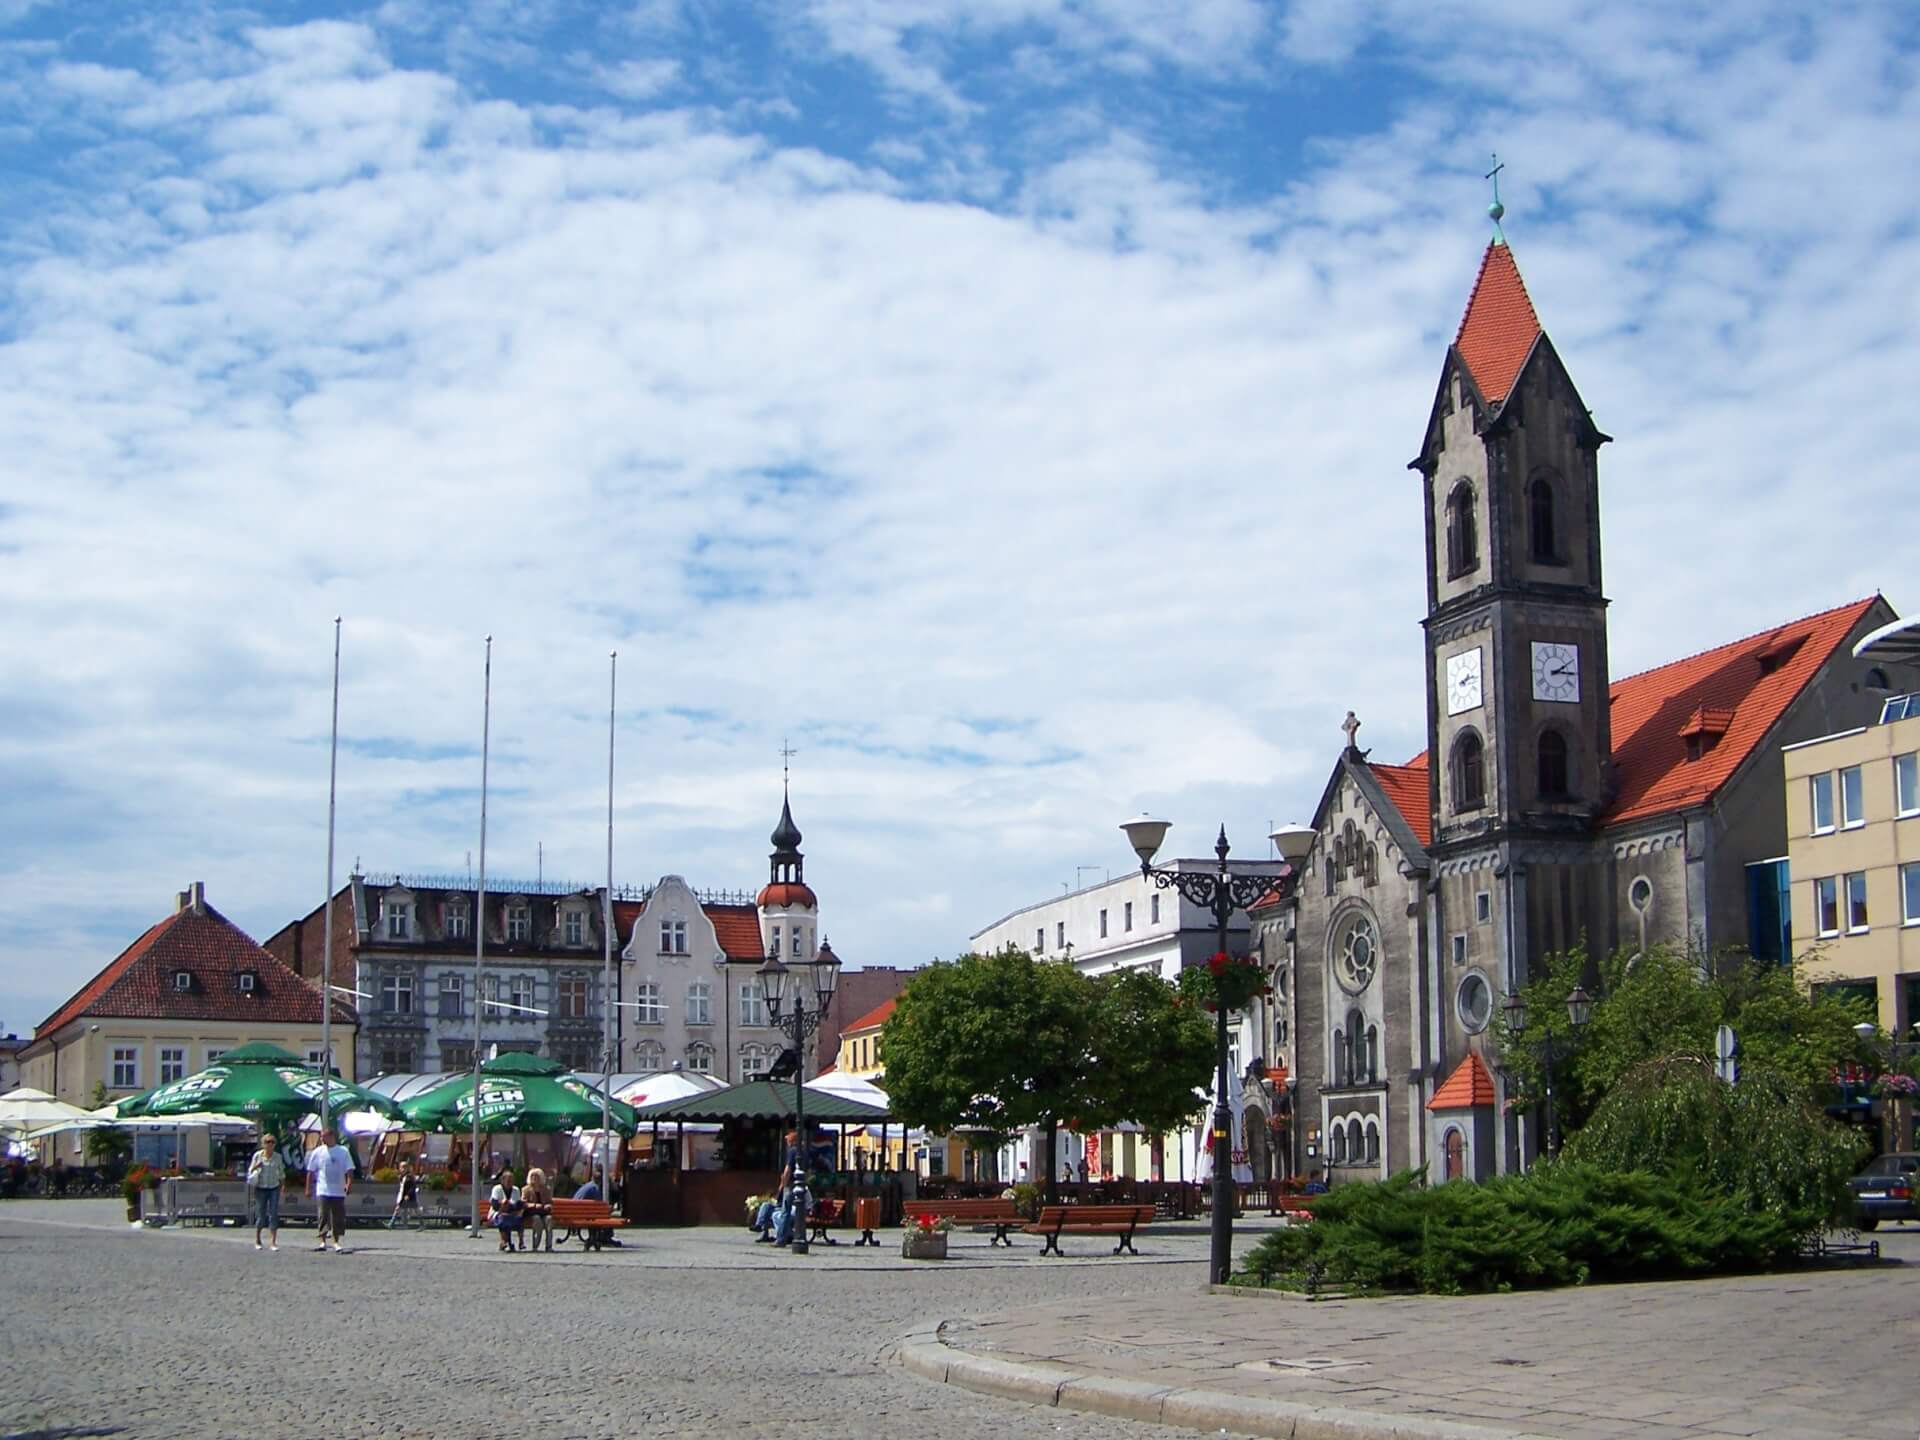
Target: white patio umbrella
[(26, 1109)]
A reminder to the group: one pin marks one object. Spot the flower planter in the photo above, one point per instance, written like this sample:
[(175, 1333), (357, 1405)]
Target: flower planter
[(923, 1245)]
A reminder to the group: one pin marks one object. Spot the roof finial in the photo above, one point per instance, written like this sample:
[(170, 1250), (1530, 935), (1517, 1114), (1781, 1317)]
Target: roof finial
[(1496, 212), (787, 752)]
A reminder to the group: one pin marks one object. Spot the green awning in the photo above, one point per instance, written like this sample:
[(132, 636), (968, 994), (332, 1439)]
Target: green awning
[(763, 1100)]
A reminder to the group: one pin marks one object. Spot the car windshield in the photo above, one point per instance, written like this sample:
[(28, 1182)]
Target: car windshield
[(1894, 1165)]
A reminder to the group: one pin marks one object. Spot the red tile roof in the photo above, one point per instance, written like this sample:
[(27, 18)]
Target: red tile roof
[(872, 1020), (1737, 691), (139, 982), (1406, 786), (736, 926), (1499, 328), (1467, 1088)]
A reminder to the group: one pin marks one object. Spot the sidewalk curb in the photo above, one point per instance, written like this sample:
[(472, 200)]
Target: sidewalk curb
[(925, 1354)]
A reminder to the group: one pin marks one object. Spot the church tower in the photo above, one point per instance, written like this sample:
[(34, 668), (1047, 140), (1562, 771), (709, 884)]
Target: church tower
[(1518, 735), (789, 912)]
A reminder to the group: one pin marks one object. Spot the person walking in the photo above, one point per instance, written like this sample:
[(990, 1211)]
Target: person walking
[(330, 1178), (406, 1200), (266, 1173)]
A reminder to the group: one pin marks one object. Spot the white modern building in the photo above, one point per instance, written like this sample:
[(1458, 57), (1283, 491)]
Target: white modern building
[(1131, 923)]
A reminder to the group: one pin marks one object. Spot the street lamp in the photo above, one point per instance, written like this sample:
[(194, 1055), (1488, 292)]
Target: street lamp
[(1549, 1047), (1221, 893), (797, 1023)]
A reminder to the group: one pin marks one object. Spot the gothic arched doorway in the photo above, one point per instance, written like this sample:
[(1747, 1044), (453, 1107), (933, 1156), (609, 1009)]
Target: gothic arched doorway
[(1456, 1152)]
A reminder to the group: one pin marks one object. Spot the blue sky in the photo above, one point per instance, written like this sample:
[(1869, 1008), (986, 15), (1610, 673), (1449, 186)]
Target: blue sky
[(1005, 400)]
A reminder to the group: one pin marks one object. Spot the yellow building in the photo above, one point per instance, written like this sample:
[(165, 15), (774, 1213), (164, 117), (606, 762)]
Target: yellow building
[(1853, 849), (191, 988)]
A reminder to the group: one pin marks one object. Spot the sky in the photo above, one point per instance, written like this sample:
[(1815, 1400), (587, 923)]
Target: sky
[(1004, 404)]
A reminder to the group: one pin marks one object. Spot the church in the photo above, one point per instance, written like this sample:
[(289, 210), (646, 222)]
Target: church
[(1555, 804)]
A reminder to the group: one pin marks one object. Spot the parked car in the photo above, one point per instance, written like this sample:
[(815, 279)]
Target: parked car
[(1885, 1190)]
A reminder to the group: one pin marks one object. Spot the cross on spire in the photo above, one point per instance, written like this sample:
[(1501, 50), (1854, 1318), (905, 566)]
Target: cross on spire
[(787, 752), (1496, 211), (1352, 726)]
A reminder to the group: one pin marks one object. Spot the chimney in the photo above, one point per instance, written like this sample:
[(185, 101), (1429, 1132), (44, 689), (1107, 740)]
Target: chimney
[(193, 898)]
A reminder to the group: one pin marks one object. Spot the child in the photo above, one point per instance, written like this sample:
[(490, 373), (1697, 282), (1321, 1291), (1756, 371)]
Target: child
[(406, 1202)]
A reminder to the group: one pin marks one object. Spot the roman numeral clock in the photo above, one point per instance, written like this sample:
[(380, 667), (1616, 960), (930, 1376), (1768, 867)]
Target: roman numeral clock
[(1556, 672)]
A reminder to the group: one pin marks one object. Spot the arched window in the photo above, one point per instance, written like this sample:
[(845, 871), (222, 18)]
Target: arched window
[(1545, 544), (1357, 1052), (1553, 766), (1373, 1143), (1463, 542), (1337, 1143), (1373, 1054), (1456, 1150), (1469, 773)]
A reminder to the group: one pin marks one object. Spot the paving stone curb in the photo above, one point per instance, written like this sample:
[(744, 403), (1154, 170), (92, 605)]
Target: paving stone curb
[(926, 1354)]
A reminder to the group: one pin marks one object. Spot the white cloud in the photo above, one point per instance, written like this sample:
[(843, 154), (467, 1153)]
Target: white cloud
[(1050, 484)]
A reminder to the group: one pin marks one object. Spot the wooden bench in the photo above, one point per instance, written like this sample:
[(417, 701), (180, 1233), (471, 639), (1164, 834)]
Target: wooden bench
[(1056, 1220), (825, 1212), (590, 1220), (1000, 1214)]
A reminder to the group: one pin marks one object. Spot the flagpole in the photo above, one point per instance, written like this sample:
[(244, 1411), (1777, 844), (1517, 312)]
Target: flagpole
[(606, 934), (326, 909), (480, 925)]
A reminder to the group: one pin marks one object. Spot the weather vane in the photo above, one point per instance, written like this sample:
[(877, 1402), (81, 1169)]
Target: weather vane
[(1496, 211), (787, 752)]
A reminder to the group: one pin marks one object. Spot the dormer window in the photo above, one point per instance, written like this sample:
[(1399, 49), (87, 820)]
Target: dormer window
[(399, 920), (183, 980), (575, 926), (457, 920), (1776, 655), (519, 923), (248, 982)]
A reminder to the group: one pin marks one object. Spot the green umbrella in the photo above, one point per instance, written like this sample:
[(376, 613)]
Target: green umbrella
[(257, 1082), (518, 1092)]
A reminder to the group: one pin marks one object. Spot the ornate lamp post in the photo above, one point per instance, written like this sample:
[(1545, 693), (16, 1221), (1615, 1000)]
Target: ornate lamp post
[(797, 1023), (1549, 1048), (1221, 893)]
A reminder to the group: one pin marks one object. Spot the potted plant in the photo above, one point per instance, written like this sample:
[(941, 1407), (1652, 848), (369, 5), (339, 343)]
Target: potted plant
[(140, 1177), (926, 1239)]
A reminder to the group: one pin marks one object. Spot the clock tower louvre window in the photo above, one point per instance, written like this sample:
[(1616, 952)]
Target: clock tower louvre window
[(1463, 543), (1541, 533), (1553, 766)]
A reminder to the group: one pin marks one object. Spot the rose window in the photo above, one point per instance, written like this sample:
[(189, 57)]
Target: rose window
[(1356, 953)]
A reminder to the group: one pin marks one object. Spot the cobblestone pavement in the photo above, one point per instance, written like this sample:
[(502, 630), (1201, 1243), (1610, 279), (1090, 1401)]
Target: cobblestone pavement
[(1814, 1353), (115, 1331)]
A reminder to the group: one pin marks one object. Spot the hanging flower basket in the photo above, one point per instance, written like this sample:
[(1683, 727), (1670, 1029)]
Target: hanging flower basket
[(1234, 981)]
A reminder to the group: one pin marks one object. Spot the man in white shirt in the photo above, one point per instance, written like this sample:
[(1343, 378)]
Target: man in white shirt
[(330, 1177)]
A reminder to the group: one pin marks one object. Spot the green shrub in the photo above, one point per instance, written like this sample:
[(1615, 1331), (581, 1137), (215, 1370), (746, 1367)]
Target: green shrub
[(1763, 1141), (1559, 1224)]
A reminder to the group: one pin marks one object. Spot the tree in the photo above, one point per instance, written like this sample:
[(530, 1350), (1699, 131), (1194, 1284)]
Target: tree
[(996, 1042), (108, 1145), (1662, 1003), (1000, 1043), (1155, 1049)]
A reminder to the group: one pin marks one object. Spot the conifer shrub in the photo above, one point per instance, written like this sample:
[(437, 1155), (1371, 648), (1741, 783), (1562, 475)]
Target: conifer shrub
[(1559, 1224)]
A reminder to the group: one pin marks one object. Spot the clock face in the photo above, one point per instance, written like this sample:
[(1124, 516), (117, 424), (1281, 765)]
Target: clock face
[(1463, 681), (1556, 672)]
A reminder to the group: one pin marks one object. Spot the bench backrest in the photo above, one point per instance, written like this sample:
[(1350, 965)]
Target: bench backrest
[(567, 1212), (1094, 1214), (959, 1209)]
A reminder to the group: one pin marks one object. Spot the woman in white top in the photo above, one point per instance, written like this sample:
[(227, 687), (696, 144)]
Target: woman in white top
[(507, 1211), (266, 1173)]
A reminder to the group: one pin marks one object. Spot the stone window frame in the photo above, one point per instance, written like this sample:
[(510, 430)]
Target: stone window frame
[(1462, 529), (1460, 1011), (1465, 800)]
